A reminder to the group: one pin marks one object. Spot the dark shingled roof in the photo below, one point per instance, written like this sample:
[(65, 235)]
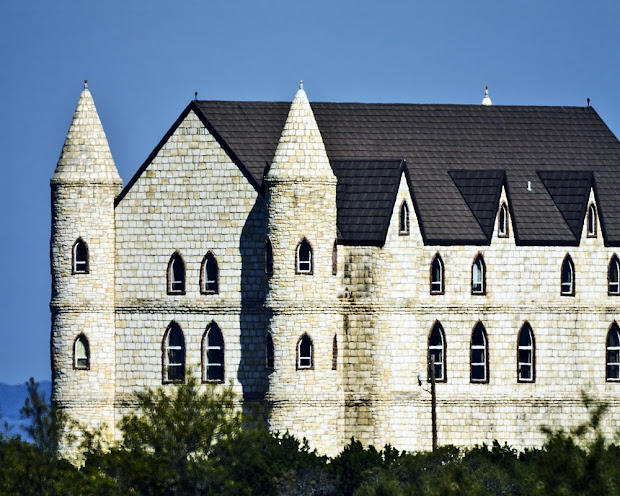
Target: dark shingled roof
[(444, 147)]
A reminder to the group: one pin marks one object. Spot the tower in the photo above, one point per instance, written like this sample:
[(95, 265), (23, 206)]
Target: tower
[(305, 320), (84, 186)]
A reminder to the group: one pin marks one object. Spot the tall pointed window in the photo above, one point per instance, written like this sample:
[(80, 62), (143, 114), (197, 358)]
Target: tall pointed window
[(174, 354), (403, 225), (335, 353), (209, 275), (269, 352), (437, 276), (613, 353), (304, 352), (213, 354), (81, 353), (568, 276), (502, 223), (176, 274), (304, 257), (268, 258), (80, 257), (478, 276), (614, 276), (479, 355), (526, 354), (437, 352), (591, 221)]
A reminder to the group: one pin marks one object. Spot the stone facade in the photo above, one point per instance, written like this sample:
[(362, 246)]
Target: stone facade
[(369, 317)]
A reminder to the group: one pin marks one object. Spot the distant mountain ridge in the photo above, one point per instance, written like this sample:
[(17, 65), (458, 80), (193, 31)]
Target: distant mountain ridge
[(12, 399)]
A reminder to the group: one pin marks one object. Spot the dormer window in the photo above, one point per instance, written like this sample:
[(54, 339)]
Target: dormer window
[(176, 274), (209, 275), (568, 277), (502, 221), (403, 226), (304, 257), (591, 221), (614, 276), (437, 276), (80, 257), (478, 276)]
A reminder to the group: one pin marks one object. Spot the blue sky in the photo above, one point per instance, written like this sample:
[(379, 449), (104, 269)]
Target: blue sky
[(144, 60)]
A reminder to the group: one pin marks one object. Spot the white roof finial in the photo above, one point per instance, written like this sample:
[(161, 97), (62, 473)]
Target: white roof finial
[(487, 99), (301, 84), (86, 84)]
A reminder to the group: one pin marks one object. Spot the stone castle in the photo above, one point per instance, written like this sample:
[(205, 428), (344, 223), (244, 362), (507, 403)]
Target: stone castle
[(319, 256)]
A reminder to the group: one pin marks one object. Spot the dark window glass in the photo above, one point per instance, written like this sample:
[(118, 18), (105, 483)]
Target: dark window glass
[(80, 257), (304, 352), (304, 257), (211, 273), (215, 354), (269, 352), (175, 354)]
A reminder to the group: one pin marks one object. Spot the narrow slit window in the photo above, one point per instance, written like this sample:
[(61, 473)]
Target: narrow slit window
[(591, 221), (304, 352), (335, 259), (403, 228), (81, 353), (335, 353), (269, 352), (176, 274), (268, 258), (614, 276), (525, 354), (503, 221), (304, 257), (437, 275), (174, 354), (213, 345), (437, 353), (210, 274), (568, 277), (478, 276), (613, 353), (80, 257), (479, 354)]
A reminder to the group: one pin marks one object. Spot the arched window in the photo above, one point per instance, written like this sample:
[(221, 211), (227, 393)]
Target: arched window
[(269, 352), (80, 257), (437, 276), (209, 275), (613, 353), (568, 277), (479, 355), (213, 354), (304, 352), (268, 258), (526, 350), (502, 223), (437, 352), (591, 221), (403, 225), (304, 257), (335, 258), (614, 276), (174, 354), (478, 276), (176, 274), (335, 353), (81, 353)]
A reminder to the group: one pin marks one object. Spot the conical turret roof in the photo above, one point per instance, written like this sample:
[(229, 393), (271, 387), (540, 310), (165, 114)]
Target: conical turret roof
[(301, 151), (86, 154)]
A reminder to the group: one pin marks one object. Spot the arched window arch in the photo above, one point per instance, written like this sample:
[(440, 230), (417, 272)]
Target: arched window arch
[(335, 258), (437, 275), (591, 221), (268, 257), (478, 276), (81, 353), (269, 352), (209, 275), (568, 277), (437, 352), (304, 352), (479, 357), (614, 276), (335, 353), (176, 274), (304, 257), (613, 354), (213, 354), (403, 224), (173, 347), (79, 255), (502, 221), (526, 354)]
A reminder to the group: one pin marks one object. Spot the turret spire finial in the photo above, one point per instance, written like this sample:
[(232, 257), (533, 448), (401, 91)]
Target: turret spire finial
[(301, 84), (487, 99), (86, 84)]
